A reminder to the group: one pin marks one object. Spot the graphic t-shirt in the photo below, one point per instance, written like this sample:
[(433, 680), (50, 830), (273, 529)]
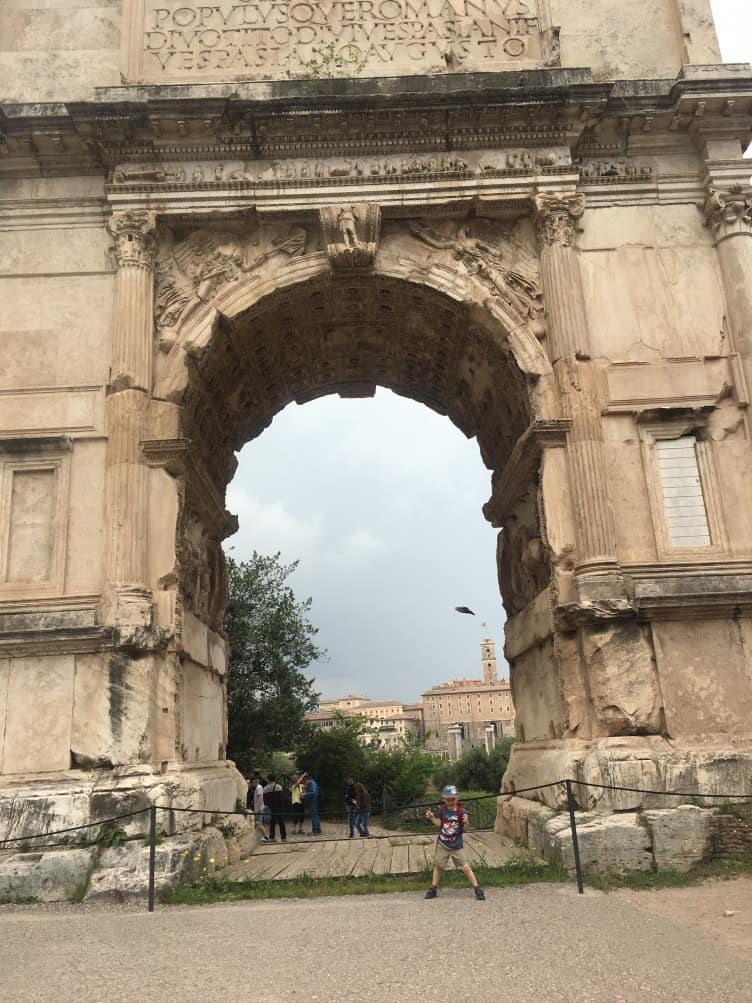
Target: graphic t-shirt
[(450, 833), (258, 799)]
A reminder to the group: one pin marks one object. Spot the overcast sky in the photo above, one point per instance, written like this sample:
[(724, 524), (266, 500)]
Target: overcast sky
[(381, 501)]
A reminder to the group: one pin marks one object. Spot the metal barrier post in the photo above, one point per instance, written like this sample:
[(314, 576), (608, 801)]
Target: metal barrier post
[(152, 852), (575, 843)]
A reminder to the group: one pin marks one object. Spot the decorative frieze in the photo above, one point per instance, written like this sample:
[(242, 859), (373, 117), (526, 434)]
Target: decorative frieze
[(313, 171)]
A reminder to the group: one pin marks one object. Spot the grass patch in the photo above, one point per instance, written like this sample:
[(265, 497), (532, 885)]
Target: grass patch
[(520, 871), (723, 870)]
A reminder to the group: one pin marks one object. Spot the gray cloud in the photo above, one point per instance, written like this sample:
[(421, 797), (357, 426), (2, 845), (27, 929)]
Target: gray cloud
[(381, 501)]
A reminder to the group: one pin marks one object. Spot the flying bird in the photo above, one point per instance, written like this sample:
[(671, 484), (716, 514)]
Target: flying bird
[(464, 609)]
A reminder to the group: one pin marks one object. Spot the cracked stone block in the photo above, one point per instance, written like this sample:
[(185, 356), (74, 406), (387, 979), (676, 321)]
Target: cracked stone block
[(51, 876), (681, 836)]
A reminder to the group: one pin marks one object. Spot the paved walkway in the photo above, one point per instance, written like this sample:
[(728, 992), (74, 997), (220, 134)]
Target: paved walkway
[(534, 944), (334, 855)]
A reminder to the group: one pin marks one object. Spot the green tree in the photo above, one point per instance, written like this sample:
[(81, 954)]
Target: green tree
[(476, 769), (331, 756), (271, 644)]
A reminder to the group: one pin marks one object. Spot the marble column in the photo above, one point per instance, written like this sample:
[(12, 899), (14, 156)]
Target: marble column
[(127, 599), (556, 215), (728, 215)]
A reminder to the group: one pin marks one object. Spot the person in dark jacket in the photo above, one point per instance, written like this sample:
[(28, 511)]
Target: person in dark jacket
[(351, 805), (274, 798), (364, 810)]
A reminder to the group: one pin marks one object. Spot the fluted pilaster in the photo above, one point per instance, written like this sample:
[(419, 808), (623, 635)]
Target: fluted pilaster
[(135, 250), (556, 216), (728, 215), (125, 489), (127, 403)]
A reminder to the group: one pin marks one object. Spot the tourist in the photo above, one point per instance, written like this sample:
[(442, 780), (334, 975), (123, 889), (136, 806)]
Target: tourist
[(351, 805), (312, 799), (273, 798), (451, 821), (258, 807), (364, 810), (297, 794)]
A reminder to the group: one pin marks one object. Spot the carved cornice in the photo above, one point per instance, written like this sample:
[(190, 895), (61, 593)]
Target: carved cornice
[(728, 211), (556, 215), (135, 240)]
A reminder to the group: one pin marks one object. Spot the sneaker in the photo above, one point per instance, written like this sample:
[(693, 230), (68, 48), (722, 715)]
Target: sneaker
[(264, 840), (431, 893), (479, 894)]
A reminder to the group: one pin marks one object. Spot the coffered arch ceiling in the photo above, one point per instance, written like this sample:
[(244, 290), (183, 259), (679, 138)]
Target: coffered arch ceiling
[(348, 335)]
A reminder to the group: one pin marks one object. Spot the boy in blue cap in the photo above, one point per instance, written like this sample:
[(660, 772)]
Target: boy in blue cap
[(451, 822)]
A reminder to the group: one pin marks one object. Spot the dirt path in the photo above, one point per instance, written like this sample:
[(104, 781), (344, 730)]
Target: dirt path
[(531, 944), (704, 910)]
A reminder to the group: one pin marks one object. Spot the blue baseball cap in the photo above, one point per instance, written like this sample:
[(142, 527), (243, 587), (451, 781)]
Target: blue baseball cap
[(449, 792)]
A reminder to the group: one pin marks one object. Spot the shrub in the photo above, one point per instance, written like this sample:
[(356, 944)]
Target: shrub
[(110, 835)]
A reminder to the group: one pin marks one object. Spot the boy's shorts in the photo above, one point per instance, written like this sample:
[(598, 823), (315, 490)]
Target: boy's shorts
[(443, 853)]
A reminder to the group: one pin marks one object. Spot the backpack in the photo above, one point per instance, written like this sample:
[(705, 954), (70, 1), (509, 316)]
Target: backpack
[(460, 813)]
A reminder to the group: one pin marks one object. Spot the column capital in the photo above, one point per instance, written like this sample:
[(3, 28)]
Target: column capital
[(556, 215), (728, 210), (135, 240)]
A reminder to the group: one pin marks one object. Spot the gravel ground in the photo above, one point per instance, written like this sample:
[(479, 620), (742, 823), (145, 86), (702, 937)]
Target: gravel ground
[(540, 943)]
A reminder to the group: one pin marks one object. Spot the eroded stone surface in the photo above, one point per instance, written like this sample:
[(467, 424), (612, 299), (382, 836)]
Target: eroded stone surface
[(681, 837), (49, 876), (562, 273)]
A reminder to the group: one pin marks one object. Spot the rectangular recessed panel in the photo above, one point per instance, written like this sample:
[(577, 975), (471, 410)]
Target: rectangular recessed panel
[(683, 500), (32, 509)]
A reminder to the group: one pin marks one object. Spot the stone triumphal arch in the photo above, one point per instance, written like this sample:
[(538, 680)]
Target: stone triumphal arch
[(257, 204)]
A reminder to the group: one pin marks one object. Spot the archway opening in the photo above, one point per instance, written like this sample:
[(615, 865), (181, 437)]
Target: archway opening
[(347, 335)]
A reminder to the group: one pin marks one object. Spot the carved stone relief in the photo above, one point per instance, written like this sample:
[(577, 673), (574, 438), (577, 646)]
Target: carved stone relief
[(729, 210), (498, 256), (196, 267), (351, 234), (201, 571), (511, 161), (556, 217), (134, 235), (614, 170), (523, 559)]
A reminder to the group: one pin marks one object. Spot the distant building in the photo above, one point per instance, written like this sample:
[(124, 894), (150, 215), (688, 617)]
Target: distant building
[(390, 721), (464, 713)]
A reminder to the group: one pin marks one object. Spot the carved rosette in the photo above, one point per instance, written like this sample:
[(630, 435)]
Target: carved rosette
[(728, 211), (556, 215), (351, 234), (134, 233)]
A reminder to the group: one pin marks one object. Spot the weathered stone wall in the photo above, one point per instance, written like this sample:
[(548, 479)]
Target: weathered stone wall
[(562, 268), (61, 51)]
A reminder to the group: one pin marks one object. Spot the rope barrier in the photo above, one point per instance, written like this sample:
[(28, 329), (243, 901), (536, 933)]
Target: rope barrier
[(73, 828), (315, 838)]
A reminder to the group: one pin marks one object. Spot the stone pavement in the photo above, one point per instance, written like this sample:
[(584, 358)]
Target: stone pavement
[(537, 944), (334, 854)]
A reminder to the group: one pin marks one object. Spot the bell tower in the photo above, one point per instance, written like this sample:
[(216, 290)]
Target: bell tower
[(488, 660)]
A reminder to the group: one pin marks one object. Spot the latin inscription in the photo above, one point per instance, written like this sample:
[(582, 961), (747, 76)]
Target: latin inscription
[(299, 38)]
